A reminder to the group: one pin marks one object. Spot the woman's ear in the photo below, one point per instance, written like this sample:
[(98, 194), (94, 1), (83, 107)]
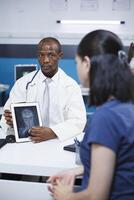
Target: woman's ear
[(87, 63)]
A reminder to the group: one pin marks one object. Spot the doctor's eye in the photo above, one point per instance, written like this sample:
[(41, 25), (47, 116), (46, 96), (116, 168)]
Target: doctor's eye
[(40, 55), (51, 55)]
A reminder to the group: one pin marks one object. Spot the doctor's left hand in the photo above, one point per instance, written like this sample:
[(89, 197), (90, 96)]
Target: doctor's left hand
[(8, 117), (41, 133)]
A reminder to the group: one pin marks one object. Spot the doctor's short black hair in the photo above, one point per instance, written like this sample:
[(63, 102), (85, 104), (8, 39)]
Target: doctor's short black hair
[(49, 39)]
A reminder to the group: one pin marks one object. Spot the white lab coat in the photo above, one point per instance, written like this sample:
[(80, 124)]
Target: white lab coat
[(69, 110)]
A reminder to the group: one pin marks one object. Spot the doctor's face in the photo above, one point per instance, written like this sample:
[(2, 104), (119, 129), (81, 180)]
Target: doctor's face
[(48, 57)]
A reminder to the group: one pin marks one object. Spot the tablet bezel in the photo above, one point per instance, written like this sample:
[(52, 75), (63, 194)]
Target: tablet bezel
[(37, 115)]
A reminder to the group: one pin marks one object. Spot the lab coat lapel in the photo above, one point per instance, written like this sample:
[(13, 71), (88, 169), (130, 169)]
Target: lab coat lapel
[(32, 90)]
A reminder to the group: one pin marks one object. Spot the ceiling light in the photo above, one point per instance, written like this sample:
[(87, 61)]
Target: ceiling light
[(90, 22)]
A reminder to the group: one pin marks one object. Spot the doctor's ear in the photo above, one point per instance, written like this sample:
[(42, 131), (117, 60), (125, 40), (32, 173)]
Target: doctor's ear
[(87, 63), (60, 55)]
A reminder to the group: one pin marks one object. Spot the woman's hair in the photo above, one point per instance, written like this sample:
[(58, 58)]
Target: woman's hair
[(110, 76), (99, 42), (131, 52)]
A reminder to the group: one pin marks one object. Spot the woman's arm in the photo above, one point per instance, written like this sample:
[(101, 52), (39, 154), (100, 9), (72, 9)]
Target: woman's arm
[(101, 175)]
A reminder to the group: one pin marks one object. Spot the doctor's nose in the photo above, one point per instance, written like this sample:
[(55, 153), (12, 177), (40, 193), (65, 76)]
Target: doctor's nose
[(46, 59)]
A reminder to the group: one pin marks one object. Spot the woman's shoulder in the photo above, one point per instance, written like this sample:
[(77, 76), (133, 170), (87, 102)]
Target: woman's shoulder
[(115, 114)]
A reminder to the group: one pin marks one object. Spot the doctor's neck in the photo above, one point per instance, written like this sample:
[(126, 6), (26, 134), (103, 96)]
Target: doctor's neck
[(49, 72)]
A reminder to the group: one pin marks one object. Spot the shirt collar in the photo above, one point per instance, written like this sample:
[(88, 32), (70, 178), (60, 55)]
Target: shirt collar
[(54, 78)]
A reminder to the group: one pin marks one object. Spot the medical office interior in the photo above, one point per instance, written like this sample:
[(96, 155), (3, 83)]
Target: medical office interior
[(23, 23)]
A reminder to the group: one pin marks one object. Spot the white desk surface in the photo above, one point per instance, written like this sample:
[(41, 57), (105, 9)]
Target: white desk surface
[(21, 190), (41, 159), (45, 158)]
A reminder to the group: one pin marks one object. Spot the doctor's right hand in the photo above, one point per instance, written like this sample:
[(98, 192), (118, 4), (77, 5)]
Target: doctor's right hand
[(8, 117)]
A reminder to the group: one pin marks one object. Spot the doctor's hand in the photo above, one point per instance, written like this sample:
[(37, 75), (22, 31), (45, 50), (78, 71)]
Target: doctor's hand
[(41, 133), (8, 117)]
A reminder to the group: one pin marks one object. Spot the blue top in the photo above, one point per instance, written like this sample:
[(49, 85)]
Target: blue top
[(112, 125)]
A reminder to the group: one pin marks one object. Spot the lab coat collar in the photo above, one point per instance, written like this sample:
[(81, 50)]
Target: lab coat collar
[(64, 78)]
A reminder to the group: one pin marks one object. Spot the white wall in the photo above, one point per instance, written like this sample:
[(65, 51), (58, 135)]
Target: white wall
[(27, 21)]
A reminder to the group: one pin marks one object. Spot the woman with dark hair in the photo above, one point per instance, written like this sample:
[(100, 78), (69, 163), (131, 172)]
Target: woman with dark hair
[(131, 56), (107, 149)]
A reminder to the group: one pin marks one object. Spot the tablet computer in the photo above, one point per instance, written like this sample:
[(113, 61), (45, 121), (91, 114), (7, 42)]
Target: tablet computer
[(25, 116)]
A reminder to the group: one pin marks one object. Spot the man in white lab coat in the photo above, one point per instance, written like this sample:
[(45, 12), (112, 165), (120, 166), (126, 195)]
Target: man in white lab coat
[(66, 110)]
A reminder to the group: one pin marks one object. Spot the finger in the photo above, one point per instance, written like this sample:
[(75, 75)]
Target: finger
[(8, 119), (7, 111), (72, 180), (36, 139), (50, 189), (36, 128), (35, 136), (49, 180), (52, 179), (58, 183), (9, 123), (8, 116), (34, 133)]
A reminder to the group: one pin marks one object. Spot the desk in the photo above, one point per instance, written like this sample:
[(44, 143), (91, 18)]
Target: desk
[(42, 159)]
